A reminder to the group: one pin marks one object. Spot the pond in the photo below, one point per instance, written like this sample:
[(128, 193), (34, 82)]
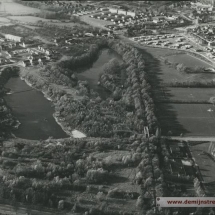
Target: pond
[(33, 111), (92, 74)]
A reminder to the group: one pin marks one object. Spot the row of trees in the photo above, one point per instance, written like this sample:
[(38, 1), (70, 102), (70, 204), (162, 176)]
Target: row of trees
[(138, 93), (85, 59), (192, 84), (182, 68), (7, 121)]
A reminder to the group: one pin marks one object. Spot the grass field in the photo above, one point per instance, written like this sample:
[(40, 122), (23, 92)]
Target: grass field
[(189, 119), (162, 73), (205, 163), (188, 60), (32, 19), (17, 9), (184, 94), (95, 22)]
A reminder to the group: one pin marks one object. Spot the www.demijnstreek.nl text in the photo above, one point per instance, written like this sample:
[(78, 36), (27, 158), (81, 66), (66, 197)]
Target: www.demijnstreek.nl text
[(185, 201)]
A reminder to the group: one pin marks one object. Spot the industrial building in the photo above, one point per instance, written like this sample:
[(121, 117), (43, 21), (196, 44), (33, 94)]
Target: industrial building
[(13, 37)]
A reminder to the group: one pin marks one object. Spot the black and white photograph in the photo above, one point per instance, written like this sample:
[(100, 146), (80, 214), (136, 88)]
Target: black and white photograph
[(107, 107)]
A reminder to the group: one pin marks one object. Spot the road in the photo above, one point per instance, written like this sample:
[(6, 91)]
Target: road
[(196, 138), (10, 210)]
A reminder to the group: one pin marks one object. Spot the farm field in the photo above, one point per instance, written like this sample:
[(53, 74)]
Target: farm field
[(189, 119)]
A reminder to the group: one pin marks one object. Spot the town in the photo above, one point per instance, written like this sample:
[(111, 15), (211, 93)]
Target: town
[(106, 107)]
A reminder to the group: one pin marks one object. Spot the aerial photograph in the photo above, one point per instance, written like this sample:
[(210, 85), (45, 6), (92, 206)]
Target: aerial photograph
[(107, 107)]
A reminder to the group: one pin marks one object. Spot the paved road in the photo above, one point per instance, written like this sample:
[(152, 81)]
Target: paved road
[(192, 138), (9, 210)]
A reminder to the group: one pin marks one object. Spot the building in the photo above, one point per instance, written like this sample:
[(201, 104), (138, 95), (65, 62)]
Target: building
[(25, 63), (122, 12), (22, 44), (13, 38), (113, 10), (132, 14)]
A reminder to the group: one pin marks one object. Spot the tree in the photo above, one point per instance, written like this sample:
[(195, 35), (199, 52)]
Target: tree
[(14, 203), (61, 205), (158, 132)]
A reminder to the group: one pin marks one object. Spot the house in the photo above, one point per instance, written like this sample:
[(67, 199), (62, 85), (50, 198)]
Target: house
[(89, 34), (42, 59), (48, 57), (34, 61), (30, 57), (22, 44), (176, 45), (9, 55), (13, 37), (47, 52), (25, 63)]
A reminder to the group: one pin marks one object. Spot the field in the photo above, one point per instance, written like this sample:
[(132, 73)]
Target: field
[(184, 94), (32, 19), (95, 22), (206, 164), (189, 119), (188, 60), (17, 9), (167, 73)]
